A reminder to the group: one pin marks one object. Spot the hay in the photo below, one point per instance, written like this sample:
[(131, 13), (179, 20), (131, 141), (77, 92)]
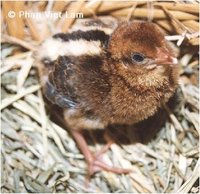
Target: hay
[(38, 155)]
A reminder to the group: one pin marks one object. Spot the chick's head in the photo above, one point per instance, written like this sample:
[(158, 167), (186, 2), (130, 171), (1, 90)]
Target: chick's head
[(141, 54)]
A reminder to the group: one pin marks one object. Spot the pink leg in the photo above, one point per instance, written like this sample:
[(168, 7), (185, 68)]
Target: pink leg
[(94, 162)]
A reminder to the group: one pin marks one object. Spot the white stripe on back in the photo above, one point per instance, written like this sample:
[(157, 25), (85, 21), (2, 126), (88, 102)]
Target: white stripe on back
[(53, 48)]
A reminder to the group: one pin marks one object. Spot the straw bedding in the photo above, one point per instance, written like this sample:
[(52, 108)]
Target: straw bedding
[(39, 155)]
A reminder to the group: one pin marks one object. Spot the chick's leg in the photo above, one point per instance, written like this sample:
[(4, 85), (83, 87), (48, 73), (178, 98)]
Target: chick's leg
[(94, 162)]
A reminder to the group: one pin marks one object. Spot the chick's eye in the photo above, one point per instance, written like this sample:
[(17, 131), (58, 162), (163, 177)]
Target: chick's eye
[(138, 57)]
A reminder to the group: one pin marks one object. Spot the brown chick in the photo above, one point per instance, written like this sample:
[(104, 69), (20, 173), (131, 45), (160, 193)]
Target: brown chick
[(102, 79)]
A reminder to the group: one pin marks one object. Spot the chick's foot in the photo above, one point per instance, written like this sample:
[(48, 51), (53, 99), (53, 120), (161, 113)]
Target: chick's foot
[(95, 161)]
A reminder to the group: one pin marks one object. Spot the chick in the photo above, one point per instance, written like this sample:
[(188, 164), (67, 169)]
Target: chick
[(101, 78)]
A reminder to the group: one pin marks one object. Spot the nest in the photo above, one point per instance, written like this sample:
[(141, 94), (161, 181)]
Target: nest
[(39, 155)]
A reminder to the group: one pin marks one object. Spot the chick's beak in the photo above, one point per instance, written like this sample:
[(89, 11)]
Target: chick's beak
[(164, 57)]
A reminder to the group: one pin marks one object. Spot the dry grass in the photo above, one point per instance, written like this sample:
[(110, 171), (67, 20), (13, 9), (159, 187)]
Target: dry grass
[(38, 155)]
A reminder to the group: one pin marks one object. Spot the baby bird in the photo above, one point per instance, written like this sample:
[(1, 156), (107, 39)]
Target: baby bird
[(103, 78)]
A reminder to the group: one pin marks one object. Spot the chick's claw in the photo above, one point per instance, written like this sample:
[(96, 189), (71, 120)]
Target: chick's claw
[(98, 165)]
